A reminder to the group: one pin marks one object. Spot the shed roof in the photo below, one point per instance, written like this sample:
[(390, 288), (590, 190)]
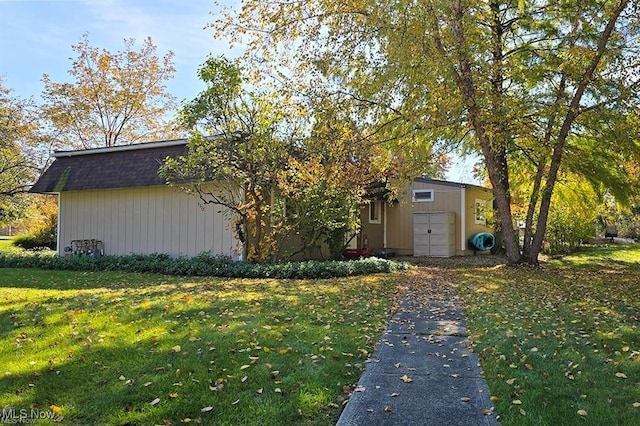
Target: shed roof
[(450, 183), (104, 168)]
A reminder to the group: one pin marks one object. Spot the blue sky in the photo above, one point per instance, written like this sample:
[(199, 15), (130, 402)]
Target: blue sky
[(36, 37)]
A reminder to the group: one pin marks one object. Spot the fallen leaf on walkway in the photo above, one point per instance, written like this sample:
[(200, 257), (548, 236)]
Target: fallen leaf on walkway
[(393, 395), (465, 399), (406, 379), (388, 409)]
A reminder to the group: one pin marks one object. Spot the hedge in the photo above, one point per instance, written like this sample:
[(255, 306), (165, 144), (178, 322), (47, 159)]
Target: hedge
[(201, 265)]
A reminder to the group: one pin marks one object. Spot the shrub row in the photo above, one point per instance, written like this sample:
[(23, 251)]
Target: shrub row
[(201, 265), (44, 239)]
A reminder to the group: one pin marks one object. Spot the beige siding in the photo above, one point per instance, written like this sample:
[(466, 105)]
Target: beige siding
[(472, 228), (371, 233), (447, 198), (145, 220), (400, 226)]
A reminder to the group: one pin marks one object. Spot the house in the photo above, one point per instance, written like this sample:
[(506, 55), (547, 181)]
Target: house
[(428, 218), (113, 200)]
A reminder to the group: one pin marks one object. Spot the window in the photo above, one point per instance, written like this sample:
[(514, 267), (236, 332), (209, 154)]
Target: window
[(422, 195), (375, 212), (480, 212)]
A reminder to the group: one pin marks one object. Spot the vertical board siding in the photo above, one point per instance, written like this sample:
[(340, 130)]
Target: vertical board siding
[(400, 229), (374, 232), (473, 193), (144, 220)]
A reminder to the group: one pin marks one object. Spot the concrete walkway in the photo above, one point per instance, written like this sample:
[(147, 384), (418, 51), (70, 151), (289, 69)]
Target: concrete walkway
[(422, 372)]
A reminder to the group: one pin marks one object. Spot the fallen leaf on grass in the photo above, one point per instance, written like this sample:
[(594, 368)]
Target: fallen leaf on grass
[(173, 394), (155, 401), (55, 409), (175, 349), (621, 375), (206, 409), (582, 413), (516, 402), (636, 404)]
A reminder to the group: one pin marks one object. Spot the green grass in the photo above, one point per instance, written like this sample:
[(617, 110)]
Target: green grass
[(560, 345), (128, 349), (5, 242)]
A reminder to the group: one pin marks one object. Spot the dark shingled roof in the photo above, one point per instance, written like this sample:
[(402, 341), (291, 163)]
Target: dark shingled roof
[(101, 168)]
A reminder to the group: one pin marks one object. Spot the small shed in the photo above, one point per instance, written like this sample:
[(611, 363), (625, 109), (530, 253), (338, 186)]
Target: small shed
[(113, 199), (429, 218)]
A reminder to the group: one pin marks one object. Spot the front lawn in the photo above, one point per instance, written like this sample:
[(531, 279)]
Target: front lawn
[(560, 344), (124, 348), (5, 242)]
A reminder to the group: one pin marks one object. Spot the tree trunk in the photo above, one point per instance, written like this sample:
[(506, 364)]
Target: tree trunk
[(572, 112), (493, 148), (499, 177)]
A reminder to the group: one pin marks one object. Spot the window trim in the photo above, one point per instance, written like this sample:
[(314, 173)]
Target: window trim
[(480, 211), (375, 207), (423, 200)]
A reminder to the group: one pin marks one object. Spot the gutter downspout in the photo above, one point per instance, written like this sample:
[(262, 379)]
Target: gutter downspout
[(58, 227), (384, 225), (463, 218)]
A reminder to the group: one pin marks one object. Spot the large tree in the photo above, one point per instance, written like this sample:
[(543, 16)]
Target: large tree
[(115, 98), (18, 162), (516, 81), (276, 173)]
